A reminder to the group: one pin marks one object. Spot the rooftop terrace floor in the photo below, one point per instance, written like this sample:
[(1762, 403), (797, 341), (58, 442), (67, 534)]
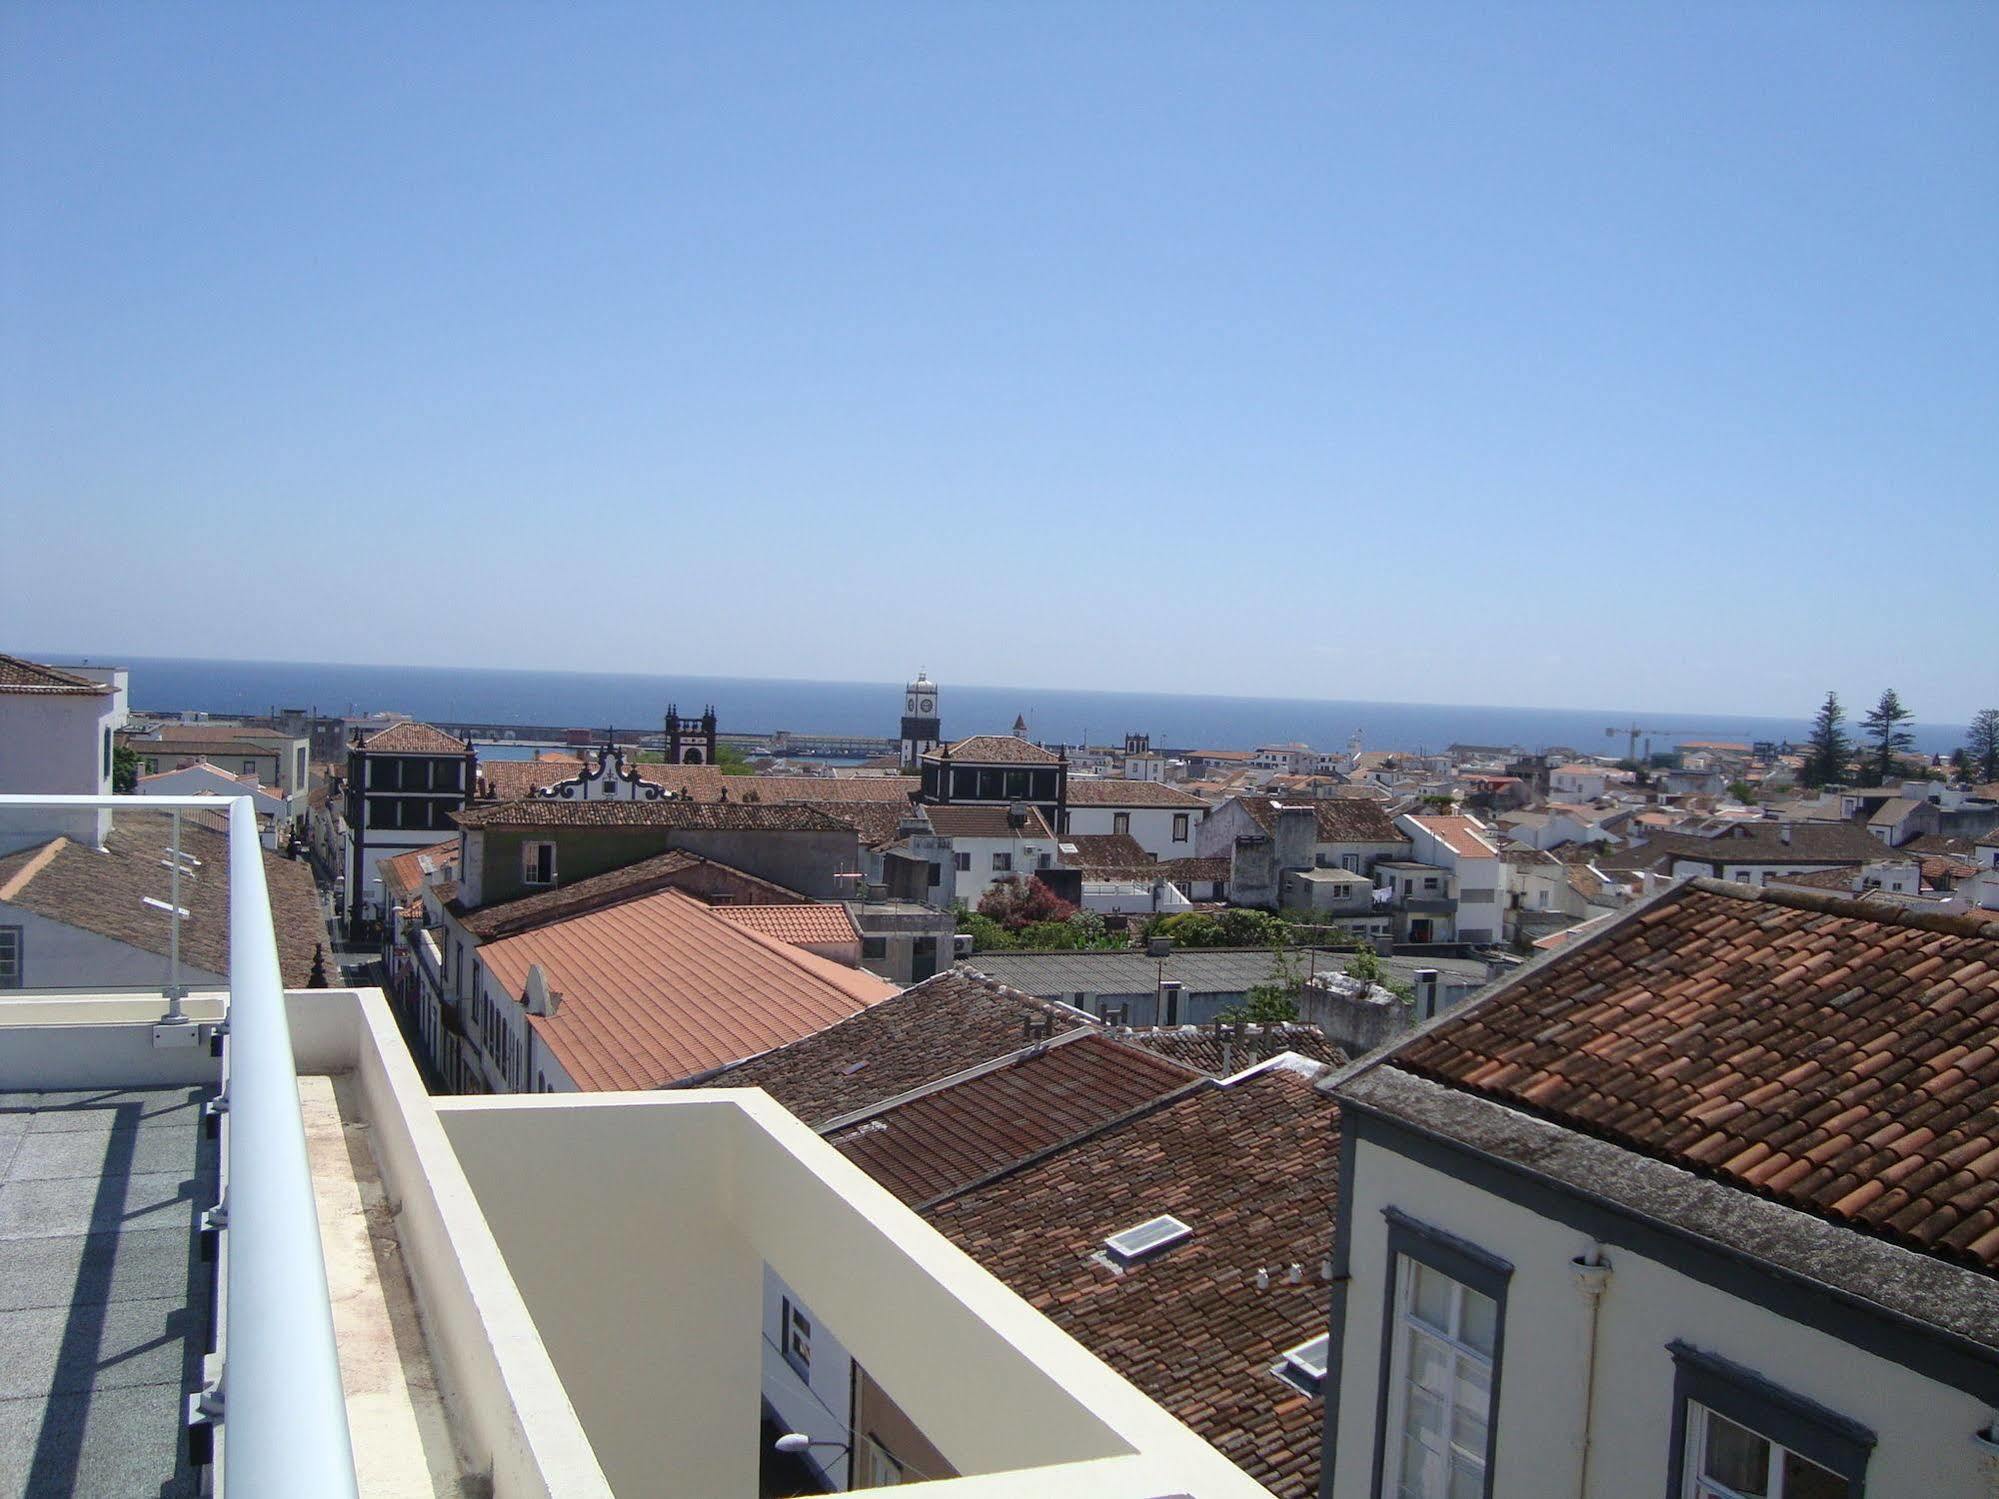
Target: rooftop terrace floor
[(104, 1301)]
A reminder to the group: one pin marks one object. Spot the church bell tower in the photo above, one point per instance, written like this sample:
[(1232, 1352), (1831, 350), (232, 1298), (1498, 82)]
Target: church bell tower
[(920, 733)]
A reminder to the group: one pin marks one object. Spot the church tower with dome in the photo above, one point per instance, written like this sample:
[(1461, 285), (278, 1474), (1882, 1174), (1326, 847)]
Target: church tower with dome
[(920, 733)]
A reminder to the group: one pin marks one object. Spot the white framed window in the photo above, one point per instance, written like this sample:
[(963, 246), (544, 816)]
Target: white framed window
[(963, 863), (537, 863), (1440, 1369), (10, 957), (1440, 1385), (1003, 862), (1181, 824), (1736, 1435), (1726, 1460), (878, 1468), (1120, 822), (249, 767), (1350, 862)]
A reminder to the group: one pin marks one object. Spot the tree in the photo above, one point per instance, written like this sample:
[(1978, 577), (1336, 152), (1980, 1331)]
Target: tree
[(1239, 926), (1015, 904), (1883, 724), (1742, 791), (1981, 745), (731, 761), (1827, 749), (125, 770)]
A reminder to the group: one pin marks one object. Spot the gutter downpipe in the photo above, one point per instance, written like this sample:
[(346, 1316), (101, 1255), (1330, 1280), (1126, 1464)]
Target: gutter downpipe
[(1592, 1273)]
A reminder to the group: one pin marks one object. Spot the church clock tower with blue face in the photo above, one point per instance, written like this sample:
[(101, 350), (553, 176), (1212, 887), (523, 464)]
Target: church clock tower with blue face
[(919, 720)]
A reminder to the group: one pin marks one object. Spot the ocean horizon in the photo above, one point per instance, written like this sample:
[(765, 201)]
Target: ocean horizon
[(761, 705)]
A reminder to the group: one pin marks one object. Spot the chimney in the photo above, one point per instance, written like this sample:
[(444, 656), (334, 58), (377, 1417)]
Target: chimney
[(1784, 833), (1169, 1002), (1426, 992)]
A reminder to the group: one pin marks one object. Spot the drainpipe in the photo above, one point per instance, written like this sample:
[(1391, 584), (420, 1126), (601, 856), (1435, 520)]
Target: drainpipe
[(1592, 1273)]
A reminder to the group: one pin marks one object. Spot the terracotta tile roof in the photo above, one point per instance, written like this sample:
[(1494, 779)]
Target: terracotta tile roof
[(105, 892), (405, 874), (1251, 1167), (413, 739), (1223, 757), (1087, 793), (19, 675), (1105, 851), (660, 988), (1894, 810), (1936, 867), (1203, 1046), (985, 822), (219, 733), (931, 1030), (997, 749), (547, 812), (1755, 843), (1463, 836), (1341, 819), (944, 1139), (1834, 1055), (189, 751), (818, 923), (878, 823), (1939, 843), (674, 870), (512, 780), (894, 790)]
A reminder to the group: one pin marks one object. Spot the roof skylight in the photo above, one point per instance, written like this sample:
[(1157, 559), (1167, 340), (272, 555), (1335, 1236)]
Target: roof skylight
[(1147, 1239)]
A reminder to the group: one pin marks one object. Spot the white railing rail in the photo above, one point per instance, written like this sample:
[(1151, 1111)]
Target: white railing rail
[(284, 1413)]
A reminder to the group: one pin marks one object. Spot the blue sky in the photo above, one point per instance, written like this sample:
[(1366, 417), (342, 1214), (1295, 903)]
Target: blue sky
[(1552, 355)]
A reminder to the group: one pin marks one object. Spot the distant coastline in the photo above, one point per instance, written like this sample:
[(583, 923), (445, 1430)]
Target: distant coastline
[(754, 704)]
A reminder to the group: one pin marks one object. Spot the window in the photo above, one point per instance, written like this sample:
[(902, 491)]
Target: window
[(874, 949), (107, 752), (936, 876), (796, 1332), (1003, 862), (1738, 1436), (383, 812), (1120, 822), (10, 957), (249, 767), (963, 863), (878, 1468), (1444, 1323), (537, 863), (1429, 883), (1180, 827)]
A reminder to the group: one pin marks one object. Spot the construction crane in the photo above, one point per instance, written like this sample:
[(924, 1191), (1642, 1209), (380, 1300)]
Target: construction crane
[(1632, 731)]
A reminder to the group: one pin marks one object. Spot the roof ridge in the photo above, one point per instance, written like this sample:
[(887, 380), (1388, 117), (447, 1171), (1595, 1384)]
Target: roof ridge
[(951, 1079), (19, 880), (795, 957), (1953, 924), (1200, 1084)]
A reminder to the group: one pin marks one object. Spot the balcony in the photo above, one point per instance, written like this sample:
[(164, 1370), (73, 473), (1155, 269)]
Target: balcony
[(551, 1294)]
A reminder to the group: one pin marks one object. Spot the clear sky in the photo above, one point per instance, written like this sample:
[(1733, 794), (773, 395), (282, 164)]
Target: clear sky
[(1558, 355)]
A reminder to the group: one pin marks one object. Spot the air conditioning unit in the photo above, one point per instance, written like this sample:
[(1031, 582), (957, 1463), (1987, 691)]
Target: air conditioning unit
[(961, 944)]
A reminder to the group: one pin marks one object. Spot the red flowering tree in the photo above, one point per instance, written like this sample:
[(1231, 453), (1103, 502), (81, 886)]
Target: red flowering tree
[(1015, 903)]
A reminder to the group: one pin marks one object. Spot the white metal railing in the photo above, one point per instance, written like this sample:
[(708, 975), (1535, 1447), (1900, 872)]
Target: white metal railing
[(284, 1412)]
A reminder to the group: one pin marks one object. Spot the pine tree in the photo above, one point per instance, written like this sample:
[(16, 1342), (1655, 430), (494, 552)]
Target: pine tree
[(1827, 749), (1883, 724), (1981, 745)]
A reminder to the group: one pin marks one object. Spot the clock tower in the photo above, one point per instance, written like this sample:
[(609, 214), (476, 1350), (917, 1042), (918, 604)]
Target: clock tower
[(919, 719)]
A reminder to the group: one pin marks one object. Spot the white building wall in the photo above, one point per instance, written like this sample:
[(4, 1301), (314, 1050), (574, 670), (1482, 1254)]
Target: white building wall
[(57, 744), (970, 885), (821, 1405), (1923, 1428), (1152, 827), (55, 955)]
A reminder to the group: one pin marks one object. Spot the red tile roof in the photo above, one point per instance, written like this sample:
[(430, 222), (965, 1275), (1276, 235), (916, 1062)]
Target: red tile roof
[(1834, 1055), (1225, 1054), (405, 874), (105, 892), (1109, 793), (512, 780), (810, 924), (1252, 1168), (997, 749), (986, 822), (674, 870), (661, 988), (548, 812), (19, 675), (413, 739), (943, 1139), (929, 1031), (1341, 819)]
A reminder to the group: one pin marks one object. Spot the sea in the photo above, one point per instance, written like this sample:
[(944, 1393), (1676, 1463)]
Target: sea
[(760, 705)]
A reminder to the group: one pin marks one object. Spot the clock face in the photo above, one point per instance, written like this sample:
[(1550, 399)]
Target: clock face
[(912, 705), (926, 705)]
